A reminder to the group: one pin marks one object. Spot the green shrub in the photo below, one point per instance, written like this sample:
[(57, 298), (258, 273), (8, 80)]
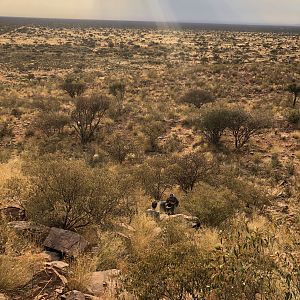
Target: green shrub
[(5, 130), (118, 90), (293, 117), (153, 130), (295, 90), (197, 97), (69, 195), (87, 115), (74, 87), (51, 123), (188, 169), (120, 146), (211, 205), (213, 124), (243, 125), (154, 177)]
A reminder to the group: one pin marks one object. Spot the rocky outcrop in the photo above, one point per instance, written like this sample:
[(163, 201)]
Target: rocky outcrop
[(47, 284), (13, 213), (66, 242)]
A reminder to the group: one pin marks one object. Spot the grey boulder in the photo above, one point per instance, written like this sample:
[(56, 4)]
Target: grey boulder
[(66, 242)]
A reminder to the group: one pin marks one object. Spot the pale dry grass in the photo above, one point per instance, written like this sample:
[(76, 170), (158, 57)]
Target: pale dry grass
[(146, 232), (81, 270), (18, 261), (15, 271), (8, 171), (208, 239)]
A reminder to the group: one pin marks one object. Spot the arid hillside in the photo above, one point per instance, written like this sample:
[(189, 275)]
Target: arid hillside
[(98, 123)]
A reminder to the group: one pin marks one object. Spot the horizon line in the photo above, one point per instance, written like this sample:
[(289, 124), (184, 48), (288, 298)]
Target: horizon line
[(183, 22)]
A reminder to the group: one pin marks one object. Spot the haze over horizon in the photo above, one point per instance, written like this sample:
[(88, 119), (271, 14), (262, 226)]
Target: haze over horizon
[(269, 12)]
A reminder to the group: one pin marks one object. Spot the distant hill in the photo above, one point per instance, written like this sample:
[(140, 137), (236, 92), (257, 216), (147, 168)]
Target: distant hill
[(18, 21)]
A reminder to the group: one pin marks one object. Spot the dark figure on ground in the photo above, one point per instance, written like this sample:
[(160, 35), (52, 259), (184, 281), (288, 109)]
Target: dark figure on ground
[(152, 213), (171, 203), (154, 205)]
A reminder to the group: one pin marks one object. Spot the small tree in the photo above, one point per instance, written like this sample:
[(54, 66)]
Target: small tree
[(74, 87), (197, 97), (119, 146), (213, 124), (118, 90), (154, 177), (242, 125), (295, 90), (87, 116), (153, 130), (189, 169)]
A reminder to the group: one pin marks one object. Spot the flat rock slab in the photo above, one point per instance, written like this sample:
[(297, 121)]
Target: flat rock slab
[(66, 242), (59, 265)]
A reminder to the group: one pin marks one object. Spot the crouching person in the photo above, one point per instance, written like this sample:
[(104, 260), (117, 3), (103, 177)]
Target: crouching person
[(152, 213), (171, 204)]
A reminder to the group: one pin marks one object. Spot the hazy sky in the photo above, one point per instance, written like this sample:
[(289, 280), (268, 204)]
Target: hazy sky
[(220, 11)]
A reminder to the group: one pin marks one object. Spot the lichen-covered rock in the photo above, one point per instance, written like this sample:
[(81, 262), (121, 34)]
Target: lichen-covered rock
[(13, 213), (74, 295), (103, 282)]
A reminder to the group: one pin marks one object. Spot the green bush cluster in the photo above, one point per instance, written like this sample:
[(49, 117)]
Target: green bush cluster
[(241, 125)]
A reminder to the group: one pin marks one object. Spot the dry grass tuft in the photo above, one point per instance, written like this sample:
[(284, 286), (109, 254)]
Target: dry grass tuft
[(81, 270)]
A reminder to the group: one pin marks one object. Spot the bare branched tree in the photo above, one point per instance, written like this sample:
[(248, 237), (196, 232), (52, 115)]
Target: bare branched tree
[(87, 116)]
